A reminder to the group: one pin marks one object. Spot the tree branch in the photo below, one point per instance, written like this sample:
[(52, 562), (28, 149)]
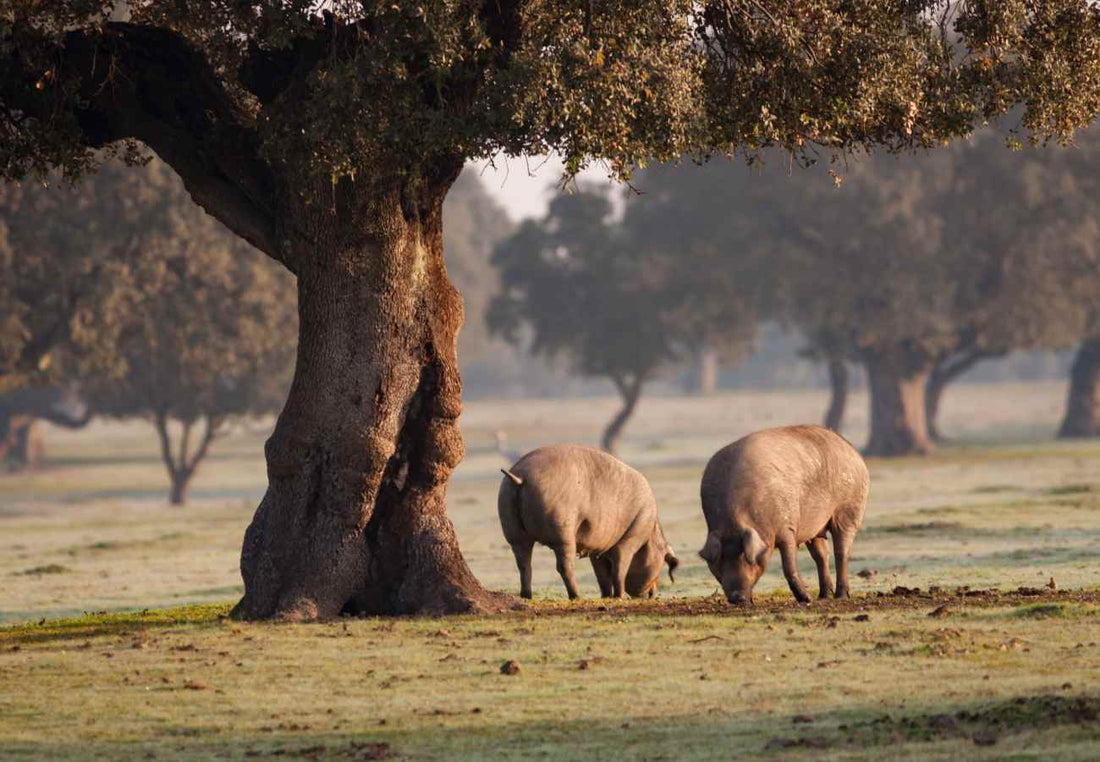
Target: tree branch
[(160, 423), (150, 84), (212, 425), (61, 418)]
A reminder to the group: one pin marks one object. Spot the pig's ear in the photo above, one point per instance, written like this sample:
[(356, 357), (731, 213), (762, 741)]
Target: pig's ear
[(673, 563), (752, 546), (712, 551)]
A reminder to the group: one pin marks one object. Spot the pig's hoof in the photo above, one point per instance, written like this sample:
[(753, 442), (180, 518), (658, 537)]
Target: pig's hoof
[(525, 594)]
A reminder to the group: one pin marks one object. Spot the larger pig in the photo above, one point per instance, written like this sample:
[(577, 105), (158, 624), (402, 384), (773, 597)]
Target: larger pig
[(780, 488), (580, 501)]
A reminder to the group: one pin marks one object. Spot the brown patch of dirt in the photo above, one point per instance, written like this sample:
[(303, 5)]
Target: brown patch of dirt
[(902, 599)]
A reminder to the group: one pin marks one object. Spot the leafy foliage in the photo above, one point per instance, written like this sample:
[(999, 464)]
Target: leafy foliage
[(64, 254), (349, 88), (617, 301)]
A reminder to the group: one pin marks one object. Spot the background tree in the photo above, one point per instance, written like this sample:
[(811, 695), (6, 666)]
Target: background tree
[(329, 142), (206, 336), (473, 224), (59, 271), (62, 269), (577, 284), (571, 281)]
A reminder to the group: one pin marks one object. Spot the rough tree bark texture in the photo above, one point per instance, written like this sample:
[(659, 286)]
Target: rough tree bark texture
[(896, 382), (630, 389), (1082, 418), (354, 518), (839, 382)]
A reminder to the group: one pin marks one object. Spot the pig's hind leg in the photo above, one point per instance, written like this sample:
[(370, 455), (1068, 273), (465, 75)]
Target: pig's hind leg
[(522, 552), (567, 556), (788, 551), (819, 549), (842, 548)]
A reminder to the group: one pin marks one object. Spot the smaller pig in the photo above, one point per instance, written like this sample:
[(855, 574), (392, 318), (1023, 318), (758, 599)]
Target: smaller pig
[(780, 488), (580, 501)]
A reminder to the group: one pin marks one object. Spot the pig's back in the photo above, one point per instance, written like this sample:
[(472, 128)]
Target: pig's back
[(581, 492), (803, 473)]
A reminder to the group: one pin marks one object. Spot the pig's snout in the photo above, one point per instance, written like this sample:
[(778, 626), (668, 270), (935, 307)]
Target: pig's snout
[(739, 599)]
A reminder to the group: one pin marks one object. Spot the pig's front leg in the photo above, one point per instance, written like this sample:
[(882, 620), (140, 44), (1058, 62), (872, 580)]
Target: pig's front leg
[(788, 551)]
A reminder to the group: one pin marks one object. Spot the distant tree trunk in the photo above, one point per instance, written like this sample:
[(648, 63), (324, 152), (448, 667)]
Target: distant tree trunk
[(29, 450), (182, 464), (702, 377), (1082, 418), (839, 382), (896, 381), (21, 414), (945, 371), (20, 442), (630, 389), (355, 514)]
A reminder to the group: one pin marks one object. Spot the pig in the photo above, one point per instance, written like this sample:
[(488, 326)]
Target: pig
[(580, 501), (780, 488)]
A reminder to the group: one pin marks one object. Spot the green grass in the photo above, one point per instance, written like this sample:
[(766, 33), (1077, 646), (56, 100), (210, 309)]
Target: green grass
[(682, 679)]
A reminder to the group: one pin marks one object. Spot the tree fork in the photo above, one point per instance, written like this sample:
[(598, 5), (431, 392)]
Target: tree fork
[(630, 389)]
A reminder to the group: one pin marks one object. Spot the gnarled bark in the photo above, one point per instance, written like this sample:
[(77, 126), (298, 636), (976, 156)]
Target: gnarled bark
[(896, 380), (630, 389), (839, 382), (1082, 418), (354, 519)]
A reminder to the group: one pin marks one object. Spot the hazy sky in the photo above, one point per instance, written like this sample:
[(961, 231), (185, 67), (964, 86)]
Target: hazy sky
[(525, 186)]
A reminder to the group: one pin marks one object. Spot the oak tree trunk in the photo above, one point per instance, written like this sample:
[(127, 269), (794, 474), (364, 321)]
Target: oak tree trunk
[(933, 393), (177, 495), (1082, 418), (896, 382), (29, 450), (839, 382), (702, 378), (354, 519), (20, 442)]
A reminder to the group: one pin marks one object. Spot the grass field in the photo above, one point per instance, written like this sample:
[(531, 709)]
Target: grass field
[(1009, 669)]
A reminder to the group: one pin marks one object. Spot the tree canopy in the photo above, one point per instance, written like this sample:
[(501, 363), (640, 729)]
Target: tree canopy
[(226, 92)]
